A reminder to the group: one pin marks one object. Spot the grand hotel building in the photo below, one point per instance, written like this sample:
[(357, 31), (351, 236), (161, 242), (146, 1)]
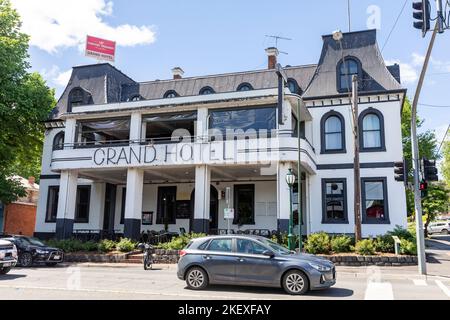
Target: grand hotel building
[(124, 156)]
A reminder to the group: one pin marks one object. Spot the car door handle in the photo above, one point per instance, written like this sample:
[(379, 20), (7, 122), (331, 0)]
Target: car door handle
[(241, 259), (207, 257)]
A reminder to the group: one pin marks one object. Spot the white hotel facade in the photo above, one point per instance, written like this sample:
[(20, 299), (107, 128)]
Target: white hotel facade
[(125, 157)]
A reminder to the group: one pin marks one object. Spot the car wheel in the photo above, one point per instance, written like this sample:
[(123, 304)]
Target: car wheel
[(445, 231), (295, 282), (51, 264), (4, 270), (196, 279), (26, 259)]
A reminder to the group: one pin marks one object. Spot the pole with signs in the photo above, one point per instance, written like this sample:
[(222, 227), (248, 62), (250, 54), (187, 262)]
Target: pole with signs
[(228, 213)]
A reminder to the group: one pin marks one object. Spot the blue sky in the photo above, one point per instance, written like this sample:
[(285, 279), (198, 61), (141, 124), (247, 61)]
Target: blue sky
[(207, 37)]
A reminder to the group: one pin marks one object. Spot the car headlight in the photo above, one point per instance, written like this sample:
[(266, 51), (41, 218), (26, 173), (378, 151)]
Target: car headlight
[(39, 251), (2, 255), (319, 267), (14, 251)]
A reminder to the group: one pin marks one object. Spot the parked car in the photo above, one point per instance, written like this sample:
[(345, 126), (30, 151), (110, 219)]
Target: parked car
[(8, 256), (252, 261), (32, 250), (442, 227)]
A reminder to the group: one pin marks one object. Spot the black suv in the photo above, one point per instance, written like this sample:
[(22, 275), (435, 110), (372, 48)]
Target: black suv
[(31, 250)]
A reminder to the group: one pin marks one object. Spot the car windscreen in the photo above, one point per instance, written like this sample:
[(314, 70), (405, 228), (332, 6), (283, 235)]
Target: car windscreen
[(32, 241), (276, 247)]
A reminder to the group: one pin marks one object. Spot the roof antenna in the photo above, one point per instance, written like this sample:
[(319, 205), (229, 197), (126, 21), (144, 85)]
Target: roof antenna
[(276, 41)]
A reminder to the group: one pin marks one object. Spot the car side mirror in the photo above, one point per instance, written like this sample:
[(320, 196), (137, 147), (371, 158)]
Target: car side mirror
[(269, 254)]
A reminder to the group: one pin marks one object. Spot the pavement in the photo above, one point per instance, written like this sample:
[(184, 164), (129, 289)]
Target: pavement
[(124, 281)]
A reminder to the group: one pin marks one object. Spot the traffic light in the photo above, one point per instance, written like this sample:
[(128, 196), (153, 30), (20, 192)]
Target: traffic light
[(430, 172), (422, 15), (423, 187), (401, 171)]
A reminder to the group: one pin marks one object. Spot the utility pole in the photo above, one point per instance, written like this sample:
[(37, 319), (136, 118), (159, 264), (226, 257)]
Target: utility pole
[(357, 181), (415, 160)]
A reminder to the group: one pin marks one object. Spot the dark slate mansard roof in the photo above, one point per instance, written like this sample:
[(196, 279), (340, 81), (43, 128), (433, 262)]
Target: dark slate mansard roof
[(106, 84)]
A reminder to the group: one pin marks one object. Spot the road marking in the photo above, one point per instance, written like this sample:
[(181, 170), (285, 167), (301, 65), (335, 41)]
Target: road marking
[(419, 282), (379, 291), (443, 287)]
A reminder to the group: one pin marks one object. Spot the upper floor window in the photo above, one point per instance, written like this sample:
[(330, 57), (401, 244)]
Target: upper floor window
[(99, 132), (76, 98), (245, 87), (333, 133), (170, 94), (371, 126), (293, 86), (137, 97), (58, 141), (206, 90), (347, 68)]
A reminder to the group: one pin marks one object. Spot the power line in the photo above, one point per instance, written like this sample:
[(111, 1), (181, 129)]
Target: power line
[(395, 25), (443, 139), (432, 105)]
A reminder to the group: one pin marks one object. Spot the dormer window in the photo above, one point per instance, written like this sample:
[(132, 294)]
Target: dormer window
[(245, 87), (137, 97), (293, 86), (206, 90), (77, 97), (347, 68), (170, 94)]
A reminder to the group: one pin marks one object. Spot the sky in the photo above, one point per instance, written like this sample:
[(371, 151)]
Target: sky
[(208, 37)]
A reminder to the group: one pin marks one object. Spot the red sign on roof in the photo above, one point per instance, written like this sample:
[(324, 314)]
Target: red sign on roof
[(100, 49)]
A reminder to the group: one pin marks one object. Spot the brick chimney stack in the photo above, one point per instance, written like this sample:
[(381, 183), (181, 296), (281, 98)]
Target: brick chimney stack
[(272, 54), (177, 73)]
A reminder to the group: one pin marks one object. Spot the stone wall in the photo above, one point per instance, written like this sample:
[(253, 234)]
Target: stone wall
[(355, 260)]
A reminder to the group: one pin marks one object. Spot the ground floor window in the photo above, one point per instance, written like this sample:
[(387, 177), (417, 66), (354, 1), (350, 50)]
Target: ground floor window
[(52, 204), (334, 201), (82, 205), (166, 205), (244, 204), (374, 200)]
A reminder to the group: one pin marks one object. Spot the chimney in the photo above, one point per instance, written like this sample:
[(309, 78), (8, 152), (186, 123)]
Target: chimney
[(177, 73), (272, 54)]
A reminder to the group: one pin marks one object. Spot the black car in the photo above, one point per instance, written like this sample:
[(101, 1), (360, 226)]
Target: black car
[(32, 250)]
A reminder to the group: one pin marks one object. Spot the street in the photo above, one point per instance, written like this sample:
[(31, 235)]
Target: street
[(121, 281)]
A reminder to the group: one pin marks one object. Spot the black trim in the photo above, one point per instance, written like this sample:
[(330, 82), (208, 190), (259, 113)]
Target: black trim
[(283, 225), (365, 220), (49, 176), (343, 62), (64, 228), (325, 220), (367, 165), (361, 130), (244, 84), (325, 117), (132, 229), (202, 90), (237, 188), (47, 220), (200, 226), (168, 92), (77, 207), (122, 205)]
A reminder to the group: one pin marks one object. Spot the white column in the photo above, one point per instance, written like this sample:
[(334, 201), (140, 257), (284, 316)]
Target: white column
[(283, 197), (97, 205), (135, 127), (202, 198), (133, 203), (69, 132), (66, 204), (201, 129)]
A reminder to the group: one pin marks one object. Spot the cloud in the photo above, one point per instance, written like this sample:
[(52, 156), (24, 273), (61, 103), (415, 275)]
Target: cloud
[(57, 24), (56, 76), (408, 72)]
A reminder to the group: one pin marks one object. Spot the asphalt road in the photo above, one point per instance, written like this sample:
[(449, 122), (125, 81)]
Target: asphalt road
[(117, 281)]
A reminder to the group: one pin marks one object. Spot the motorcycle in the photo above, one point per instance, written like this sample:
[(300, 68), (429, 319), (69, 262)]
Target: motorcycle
[(148, 255)]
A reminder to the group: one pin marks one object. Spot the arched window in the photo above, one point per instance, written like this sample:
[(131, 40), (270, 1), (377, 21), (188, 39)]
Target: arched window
[(371, 130), (76, 98), (244, 87), (347, 68), (293, 86), (136, 97), (206, 90), (170, 94), (333, 133), (58, 141)]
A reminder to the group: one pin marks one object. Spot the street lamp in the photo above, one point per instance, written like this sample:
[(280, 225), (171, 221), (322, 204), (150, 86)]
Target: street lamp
[(290, 180)]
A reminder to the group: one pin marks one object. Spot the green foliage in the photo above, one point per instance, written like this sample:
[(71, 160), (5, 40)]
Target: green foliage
[(445, 166), (318, 243), (402, 233), (178, 243), (365, 247), (408, 246), (126, 245), (73, 245), (385, 244), (106, 245), (341, 244), (25, 101), (435, 202)]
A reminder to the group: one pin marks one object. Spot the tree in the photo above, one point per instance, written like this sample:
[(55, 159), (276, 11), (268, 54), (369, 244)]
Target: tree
[(427, 147), (25, 102), (435, 202), (445, 166)]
